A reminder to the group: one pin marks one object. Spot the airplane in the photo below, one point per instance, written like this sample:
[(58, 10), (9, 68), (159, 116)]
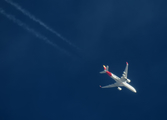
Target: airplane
[(120, 82)]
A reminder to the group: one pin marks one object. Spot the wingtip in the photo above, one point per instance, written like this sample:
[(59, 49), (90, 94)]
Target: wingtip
[(127, 63), (100, 86)]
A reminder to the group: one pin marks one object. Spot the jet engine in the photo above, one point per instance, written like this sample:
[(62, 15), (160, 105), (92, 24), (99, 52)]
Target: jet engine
[(128, 80), (119, 88)]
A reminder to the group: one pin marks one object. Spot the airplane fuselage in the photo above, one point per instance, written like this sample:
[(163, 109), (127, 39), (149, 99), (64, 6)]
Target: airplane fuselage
[(129, 87), (118, 80)]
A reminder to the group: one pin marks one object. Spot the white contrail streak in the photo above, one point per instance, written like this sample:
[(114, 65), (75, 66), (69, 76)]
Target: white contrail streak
[(32, 17), (26, 27)]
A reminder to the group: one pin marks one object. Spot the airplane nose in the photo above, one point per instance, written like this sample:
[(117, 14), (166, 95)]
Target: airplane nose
[(134, 91)]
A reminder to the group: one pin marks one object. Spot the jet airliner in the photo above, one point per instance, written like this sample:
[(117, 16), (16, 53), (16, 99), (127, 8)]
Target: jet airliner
[(120, 82)]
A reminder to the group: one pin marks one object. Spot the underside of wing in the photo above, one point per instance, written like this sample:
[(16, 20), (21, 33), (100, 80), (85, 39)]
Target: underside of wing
[(125, 73), (111, 85)]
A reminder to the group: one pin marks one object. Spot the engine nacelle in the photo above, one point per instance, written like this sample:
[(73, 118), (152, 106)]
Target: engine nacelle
[(128, 80), (119, 88)]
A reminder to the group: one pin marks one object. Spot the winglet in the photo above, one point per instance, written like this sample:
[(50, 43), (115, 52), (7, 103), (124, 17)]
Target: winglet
[(127, 63), (100, 86)]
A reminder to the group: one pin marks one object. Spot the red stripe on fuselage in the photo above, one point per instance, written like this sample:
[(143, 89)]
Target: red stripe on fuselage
[(108, 73)]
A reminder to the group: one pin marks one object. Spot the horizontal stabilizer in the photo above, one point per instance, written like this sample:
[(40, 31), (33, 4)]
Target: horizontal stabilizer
[(102, 72)]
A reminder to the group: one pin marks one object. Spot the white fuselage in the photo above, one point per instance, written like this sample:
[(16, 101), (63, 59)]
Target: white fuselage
[(125, 84)]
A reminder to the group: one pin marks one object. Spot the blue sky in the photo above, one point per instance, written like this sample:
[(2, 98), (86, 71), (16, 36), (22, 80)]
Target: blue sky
[(60, 80)]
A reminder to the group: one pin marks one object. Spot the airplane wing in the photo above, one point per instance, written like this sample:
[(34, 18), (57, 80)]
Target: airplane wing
[(111, 85), (125, 73)]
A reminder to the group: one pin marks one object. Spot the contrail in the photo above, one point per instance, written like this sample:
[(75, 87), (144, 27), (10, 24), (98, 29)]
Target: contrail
[(32, 17), (26, 27)]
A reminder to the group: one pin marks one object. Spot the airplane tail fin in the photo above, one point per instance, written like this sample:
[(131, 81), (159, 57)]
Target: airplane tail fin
[(105, 69)]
